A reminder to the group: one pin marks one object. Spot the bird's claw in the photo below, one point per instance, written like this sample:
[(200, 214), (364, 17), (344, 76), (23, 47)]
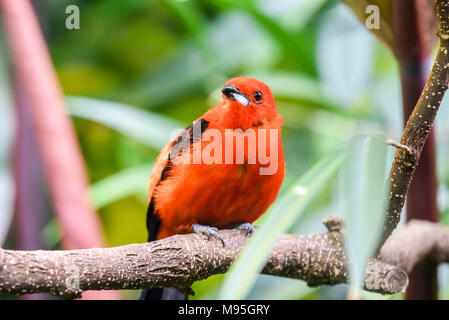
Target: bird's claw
[(247, 227), (208, 231)]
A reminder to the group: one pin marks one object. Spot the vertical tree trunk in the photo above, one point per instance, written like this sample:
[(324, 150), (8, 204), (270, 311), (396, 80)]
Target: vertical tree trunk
[(31, 203), (31, 209), (56, 138), (413, 32)]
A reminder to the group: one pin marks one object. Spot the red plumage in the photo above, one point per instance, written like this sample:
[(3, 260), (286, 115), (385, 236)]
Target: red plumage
[(218, 195)]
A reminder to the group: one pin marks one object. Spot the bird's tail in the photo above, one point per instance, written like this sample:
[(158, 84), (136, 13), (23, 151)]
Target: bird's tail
[(162, 294), (158, 293)]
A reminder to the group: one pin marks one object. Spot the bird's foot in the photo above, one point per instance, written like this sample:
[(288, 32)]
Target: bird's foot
[(208, 231), (247, 227)]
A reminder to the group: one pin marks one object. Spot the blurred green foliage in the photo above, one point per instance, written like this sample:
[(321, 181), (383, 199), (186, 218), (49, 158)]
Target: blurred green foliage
[(363, 194), (140, 65)]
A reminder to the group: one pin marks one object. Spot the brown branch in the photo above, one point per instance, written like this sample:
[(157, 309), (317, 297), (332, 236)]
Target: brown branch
[(419, 240), (400, 146), (419, 124), (180, 260), (415, 28)]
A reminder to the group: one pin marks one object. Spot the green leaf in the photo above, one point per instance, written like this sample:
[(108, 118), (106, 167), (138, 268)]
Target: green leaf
[(290, 207), (363, 180), (175, 77), (152, 129), (191, 16), (120, 185)]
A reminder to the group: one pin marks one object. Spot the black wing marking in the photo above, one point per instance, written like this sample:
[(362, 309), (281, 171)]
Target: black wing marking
[(153, 222), (185, 139), (189, 136), (182, 143)]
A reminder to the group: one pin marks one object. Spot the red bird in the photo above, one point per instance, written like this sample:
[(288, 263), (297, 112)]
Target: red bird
[(203, 180)]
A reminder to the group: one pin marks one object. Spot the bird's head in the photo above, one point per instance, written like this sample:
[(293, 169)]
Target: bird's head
[(250, 99)]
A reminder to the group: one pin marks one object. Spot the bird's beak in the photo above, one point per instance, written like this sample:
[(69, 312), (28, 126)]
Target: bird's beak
[(235, 94)]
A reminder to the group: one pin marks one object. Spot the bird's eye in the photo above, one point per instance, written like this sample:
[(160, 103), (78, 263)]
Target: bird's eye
[(258, 96)]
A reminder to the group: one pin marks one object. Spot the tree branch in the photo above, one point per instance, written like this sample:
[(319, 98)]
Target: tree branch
[(415, 28), (419, 124), (420, 240), (180, 260)]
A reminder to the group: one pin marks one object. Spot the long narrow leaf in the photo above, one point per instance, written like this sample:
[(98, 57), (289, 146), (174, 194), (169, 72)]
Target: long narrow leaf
[(364, 192), (150, 128), (119, 185)]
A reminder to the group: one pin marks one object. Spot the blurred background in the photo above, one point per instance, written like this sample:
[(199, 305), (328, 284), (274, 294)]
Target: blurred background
[(138, 69)]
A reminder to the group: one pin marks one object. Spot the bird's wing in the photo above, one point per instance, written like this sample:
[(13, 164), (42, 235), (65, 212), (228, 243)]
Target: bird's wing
[(161, 164), (162, 167)]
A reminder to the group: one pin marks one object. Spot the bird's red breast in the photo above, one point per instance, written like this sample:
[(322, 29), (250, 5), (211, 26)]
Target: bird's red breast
[(229, 184)]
